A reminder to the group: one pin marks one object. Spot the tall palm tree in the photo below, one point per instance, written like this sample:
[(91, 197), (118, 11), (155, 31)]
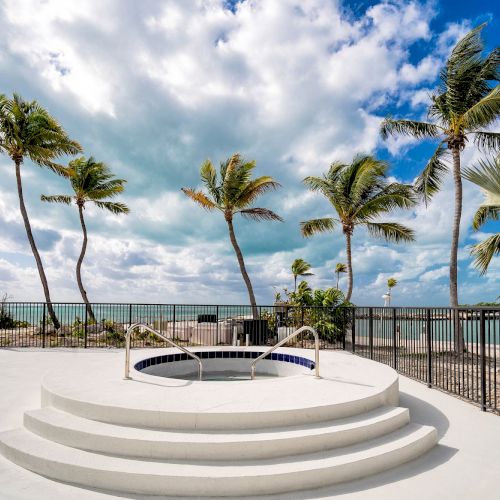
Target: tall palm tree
[(487, 176), (465, 102), (233, 192), (359, 192), (300, 268), (28, 131), (340, 268), (92, 182)]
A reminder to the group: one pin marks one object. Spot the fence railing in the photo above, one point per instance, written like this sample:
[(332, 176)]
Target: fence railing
[(454, 349)]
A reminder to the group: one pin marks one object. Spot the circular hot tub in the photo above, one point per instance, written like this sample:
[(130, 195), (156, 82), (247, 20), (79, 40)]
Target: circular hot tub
[(225, 365)]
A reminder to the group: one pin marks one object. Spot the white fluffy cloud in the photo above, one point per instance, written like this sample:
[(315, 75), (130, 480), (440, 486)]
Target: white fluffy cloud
[(154, 88)]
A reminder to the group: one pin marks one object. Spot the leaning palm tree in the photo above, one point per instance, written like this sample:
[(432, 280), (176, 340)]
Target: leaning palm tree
[(92, 182), (466, 101), (28, 131), (340, 268), (300, 268), (359, 192), (233, 192), (487, 176)]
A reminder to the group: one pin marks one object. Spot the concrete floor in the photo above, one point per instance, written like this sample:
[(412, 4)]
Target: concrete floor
[(465, 465)]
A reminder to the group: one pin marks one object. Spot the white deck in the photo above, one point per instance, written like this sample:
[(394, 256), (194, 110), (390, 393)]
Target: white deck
[(469, 447)]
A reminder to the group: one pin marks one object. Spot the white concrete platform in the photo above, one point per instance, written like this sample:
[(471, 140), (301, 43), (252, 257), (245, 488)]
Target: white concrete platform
[(21, 371)]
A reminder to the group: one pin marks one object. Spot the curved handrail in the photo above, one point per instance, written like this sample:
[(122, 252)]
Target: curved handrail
[(131, 328), (284, 341)]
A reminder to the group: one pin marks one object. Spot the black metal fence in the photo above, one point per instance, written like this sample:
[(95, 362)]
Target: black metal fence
[(29, 325), (456, 350)]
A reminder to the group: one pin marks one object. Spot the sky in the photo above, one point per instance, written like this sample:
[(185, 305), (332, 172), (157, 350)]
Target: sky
[(153, 88)]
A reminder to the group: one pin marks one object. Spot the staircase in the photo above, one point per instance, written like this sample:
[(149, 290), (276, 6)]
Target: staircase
[(89, 442)]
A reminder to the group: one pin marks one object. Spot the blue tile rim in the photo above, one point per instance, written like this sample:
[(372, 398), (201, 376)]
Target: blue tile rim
[(274, 356)]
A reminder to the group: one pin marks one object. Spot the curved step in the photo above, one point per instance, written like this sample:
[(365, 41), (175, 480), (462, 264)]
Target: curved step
[(152, 413), (91, 435), (215, 479)]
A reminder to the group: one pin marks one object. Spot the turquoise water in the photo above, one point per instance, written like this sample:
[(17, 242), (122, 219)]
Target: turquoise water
[(410, 329), (442, 329)]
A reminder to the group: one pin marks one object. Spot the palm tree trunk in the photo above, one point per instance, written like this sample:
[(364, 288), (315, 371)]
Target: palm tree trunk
[(338, 277), (457, 179), (83, 293), (350, 276), (243, 270), (294, 282), (34, 249)]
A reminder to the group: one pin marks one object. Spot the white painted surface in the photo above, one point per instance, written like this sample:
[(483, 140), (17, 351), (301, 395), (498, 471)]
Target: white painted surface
[(466, 461)]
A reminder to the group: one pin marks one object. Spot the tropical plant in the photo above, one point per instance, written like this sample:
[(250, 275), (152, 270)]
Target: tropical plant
[(339, 269), (233, 192), (300, 268), (92, 182), (487, 176), (360, 193), (28, 131), (466, 102)]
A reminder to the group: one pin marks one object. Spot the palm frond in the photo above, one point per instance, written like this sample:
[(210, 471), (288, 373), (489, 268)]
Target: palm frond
[(483, 214), (318, 184), (254, 189), (483, 252), (391, 231), (113, 207), (208, 175), (484, 111), (260, 214), (412, 128), (200, 198), (429, 181), (316, 226), (61, 198), (486, 175), (487, 140), (392, 197)]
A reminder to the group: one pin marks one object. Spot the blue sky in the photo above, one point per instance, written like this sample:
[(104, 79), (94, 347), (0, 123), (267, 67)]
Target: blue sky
[(155, 87)]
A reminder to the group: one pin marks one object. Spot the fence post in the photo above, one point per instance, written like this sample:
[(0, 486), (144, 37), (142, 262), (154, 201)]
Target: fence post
[(482, 340), (43, 325), (217, 325), (85, 328), (130, 323), (428, 332), (394, 341), (173, 327), (370, 332), (344, 323), (353, 330)]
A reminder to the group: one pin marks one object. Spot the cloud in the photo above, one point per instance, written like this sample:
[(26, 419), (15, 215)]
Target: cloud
[(155, 88)]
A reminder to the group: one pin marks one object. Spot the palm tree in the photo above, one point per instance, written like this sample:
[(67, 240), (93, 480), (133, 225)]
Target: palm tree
[(360, 192), (487, 176), (300, 268), (465, 103), (391, 283), (92, 182), (340, 268), (28, 131), (233, 192)]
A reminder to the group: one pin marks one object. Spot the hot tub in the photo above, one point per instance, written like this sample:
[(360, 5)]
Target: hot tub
[(225, 365)]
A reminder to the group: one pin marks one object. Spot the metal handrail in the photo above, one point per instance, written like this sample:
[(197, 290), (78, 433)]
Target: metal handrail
[(171, 342), (284, 341)]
